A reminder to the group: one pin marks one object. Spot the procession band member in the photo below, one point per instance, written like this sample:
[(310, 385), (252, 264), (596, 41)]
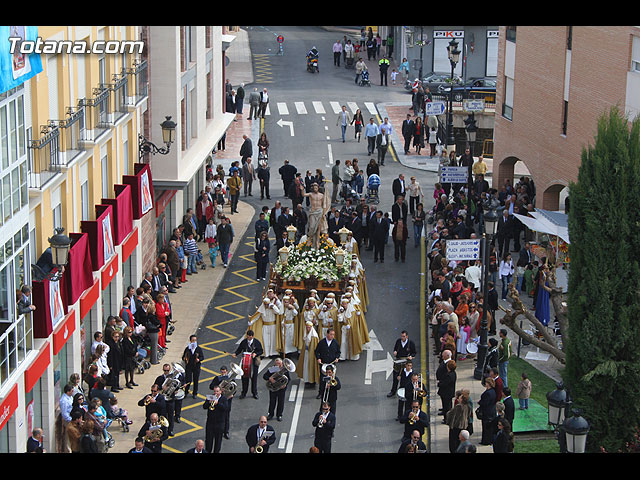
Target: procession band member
[(153, 441), (414, 419), (260, 435), (330, 383), (153, 403), (404, 379), (216, 406), (192, 358), (324, 422), (217, 380), (327, 351), (253, 347), (404, 348), (276, 398), (173, 405)]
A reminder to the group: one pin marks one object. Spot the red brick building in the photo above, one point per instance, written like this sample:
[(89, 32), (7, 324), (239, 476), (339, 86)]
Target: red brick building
[(554, 82)]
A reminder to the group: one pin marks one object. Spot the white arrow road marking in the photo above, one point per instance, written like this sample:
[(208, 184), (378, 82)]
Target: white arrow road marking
[(300, 108), (318, 108), (282, 123), (282, 108), (385, 365)]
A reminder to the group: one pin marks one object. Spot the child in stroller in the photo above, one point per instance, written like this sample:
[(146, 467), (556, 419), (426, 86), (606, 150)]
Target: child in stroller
[(373, 183), (364, 79)]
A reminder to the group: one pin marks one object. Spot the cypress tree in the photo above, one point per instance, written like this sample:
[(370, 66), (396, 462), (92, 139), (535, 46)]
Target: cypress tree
[(603, 355)]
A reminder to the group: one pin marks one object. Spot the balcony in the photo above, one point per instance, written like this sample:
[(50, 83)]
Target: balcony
[(97, 113), (44, 161), (119, 95), (138, 82)]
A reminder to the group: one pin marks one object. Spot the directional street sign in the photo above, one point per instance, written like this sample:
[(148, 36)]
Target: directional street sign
[(463, 249), (473, 105), (454, 174), (434, 108)]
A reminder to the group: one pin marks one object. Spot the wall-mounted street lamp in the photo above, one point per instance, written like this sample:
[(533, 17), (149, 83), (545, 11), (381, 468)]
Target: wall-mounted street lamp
[(168, 137)]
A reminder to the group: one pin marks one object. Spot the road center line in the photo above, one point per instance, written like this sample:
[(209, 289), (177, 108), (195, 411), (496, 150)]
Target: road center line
[(294, 419), (330, 154)]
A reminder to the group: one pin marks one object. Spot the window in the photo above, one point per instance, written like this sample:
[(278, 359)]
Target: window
[(569, 37), (510, 34), (4, 137), (635, 55), (507, 106), (565, 108)]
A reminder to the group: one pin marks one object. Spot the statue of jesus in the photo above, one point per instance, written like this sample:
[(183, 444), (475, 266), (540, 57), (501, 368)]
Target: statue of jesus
[(319, 206)]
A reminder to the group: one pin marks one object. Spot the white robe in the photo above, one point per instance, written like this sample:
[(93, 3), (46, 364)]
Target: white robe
[(345, 322), (289, 330), (269, 331)]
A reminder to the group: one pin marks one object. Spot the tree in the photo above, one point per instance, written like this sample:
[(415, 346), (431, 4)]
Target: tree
[(602, 354)]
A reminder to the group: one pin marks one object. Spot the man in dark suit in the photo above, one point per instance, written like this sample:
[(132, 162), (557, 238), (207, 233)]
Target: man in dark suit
[(380, 233), (398, 186), (155, 403), (447, 388), (509, 405), (420, 419), (399, 210), (198, 448), (192, 358), (414, 441), (34, 442), (505, 232), (441, 373), (404, 378), (327, 351), (216, 407), (276, 398), (260, 434), (253, 346), (525, 257), (408, 127), (217, 380), (355, 226), (403, 348), (153, 423), (460, 230), (324, 428), (148, 280), (284, 220), (287, 173), (246, 150), (173, 406), (329, 391), (334, 224), (492, 303)]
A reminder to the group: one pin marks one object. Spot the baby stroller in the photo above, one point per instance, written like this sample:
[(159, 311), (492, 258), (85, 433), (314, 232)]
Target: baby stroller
[(348, 191), (142, 363), (373, 183), (364, 79)]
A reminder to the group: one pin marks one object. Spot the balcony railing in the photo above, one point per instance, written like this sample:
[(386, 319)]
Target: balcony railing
[(98, 115), (119, 89), (44, 157), (139, 82)]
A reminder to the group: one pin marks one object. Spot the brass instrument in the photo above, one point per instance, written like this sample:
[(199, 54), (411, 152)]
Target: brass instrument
[(171, 387), (280, 379), (412, 418), (156, 433), (259, 448), (419, 392), (147, 400), (212, 404), (229, 386), (330, 383)]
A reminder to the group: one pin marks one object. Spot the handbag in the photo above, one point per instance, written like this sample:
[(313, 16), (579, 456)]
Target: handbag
[(478, 413)]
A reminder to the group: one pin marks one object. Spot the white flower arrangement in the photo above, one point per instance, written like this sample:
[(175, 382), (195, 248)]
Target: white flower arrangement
[(306, 262)]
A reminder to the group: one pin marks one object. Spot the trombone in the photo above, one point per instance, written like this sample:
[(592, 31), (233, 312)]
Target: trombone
[(330, 383), (420, 392)]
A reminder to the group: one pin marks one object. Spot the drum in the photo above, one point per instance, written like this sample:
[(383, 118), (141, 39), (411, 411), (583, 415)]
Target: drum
[(398, 364), (246, 364), (401, 394), (179, 395), (472, 347)]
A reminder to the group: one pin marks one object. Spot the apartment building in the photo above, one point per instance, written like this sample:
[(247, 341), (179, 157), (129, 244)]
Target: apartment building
[(554, 82), (68, 138)]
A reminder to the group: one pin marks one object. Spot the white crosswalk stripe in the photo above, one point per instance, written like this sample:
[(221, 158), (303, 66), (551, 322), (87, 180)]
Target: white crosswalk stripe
[(319, 107), (282, 108)]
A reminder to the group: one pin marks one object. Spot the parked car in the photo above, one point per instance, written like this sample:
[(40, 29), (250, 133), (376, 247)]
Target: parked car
[(480, 87), (436, 81)]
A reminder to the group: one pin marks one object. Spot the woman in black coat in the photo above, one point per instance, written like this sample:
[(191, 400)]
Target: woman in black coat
[(261, 254), (487, 406), (373, 168), (115, 360), (129, 352), (503, 439)]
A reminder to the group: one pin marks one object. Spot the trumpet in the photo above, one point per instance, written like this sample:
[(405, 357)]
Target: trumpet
[(147, 400), (412, 418), (212, 405)]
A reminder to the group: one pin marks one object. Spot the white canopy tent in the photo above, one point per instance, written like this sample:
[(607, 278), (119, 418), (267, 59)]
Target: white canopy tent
[(546, 221)]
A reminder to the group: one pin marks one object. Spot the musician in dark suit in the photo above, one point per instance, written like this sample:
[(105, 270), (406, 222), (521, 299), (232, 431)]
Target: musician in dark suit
[(260, 434), (217, 380), (173, 405), (252, 345), (198, 448), (216, 408), (411, 390), (332, 397), (324, 429), (327, 351), (155, 444), (156, 403), (404, 348), (192, 358), (421, 420), (414, 440), (276, 398), (405, 379)]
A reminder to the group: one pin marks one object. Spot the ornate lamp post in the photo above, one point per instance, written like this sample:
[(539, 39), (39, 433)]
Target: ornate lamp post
[(454, 58), (60, 245), (168, 137)]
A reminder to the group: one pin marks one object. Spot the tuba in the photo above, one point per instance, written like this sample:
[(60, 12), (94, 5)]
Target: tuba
[(229, 386), (172, 386), (280, 379)]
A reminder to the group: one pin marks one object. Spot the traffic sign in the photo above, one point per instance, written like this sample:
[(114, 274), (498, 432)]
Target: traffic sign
[(473, 105), (434, 108), (280, 39), (454, 174), (463, 249)]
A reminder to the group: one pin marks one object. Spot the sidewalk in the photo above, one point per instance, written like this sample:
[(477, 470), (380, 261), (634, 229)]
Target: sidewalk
[(190, 303)]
